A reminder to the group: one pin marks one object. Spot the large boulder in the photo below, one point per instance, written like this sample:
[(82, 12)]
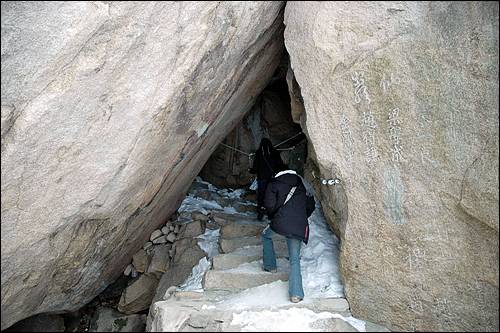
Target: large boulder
[(401, 103), (109, 110)]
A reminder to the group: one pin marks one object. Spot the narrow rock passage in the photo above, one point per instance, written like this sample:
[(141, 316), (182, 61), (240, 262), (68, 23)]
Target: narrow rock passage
[(229, 291)]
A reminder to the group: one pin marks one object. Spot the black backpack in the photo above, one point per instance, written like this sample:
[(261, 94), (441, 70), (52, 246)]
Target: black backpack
[(310, 204)]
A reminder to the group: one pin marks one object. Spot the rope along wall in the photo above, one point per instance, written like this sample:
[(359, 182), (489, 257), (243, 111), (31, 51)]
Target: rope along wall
[(332, 181)]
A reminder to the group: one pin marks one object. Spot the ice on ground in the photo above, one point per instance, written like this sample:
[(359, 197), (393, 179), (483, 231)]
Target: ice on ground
[(230, 193), (230, 210), (193, 282), (319, 259), (192, 203), (209, 242), (290, 320), (269, 295)]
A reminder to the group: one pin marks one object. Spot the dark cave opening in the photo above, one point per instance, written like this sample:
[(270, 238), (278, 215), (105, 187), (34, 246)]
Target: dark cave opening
[(270, 117)]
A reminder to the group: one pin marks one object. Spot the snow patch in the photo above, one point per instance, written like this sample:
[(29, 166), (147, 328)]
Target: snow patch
[(230, 193), (193, 282), (209, 242), (319, 259), (269, 295), (290, 320), (192, 203)]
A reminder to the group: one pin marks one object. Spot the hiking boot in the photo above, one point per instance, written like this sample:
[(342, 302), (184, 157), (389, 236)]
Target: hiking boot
[(295, 299), (271, 270)]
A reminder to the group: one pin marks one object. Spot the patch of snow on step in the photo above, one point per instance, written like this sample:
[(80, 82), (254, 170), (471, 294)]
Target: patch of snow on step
[(192, 203), (319, 259), (193, 282), (255, 267), (209, 242), (264, 296), (230, 193), (230, 210), (290, 320)]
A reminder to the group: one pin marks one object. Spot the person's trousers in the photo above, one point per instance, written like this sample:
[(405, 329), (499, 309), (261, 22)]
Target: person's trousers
[(269, 260)]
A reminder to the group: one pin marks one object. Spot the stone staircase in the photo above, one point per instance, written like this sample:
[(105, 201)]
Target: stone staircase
[(236, 289)]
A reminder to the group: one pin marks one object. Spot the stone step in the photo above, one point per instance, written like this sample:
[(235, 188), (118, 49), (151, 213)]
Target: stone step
[(223, 218), (205, 316), (244, 276), (243, 229), (214, 310), (246, 254), (231, 244)]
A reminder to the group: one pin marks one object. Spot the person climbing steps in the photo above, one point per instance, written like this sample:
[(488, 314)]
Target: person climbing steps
[(266, 163)]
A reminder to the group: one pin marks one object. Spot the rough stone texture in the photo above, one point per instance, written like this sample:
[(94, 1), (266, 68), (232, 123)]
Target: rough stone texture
[(109, 111), (187, 255), (138, 295), (215, 279), (333, 325), (246, 254), (141, 260), (242, 208), (401, 103), (161, 240), (227, 245), (223, 219), (332, 304), (160, 261), (241, 230), (192, 229), (239, 244), (155, 234), (110, 320), (296, 101), (200, 216)]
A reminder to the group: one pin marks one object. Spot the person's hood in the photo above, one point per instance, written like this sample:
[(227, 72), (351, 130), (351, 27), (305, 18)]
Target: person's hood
[(288, 177)]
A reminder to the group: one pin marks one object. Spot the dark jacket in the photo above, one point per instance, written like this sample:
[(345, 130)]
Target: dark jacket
[(267, 161), (289, 220)]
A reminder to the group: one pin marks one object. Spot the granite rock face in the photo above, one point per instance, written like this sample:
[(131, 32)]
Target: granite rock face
[(109, 111), (401, 103)]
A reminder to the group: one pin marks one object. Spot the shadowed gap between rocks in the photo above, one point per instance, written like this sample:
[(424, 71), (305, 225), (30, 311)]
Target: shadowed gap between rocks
[(270, 117)]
